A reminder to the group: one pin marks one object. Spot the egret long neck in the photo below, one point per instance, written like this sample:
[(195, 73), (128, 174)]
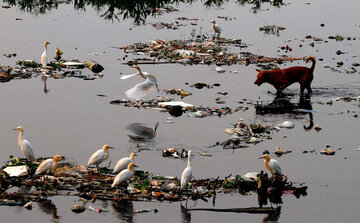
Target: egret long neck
[(266, 164), (55, 165), (107, 153), (20, 137), (141, 73), (189, 161), (213, 26)]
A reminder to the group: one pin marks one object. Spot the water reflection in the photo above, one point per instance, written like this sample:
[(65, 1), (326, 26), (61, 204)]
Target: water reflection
[(141, 132), (185, 214), (44, 78), (124, 210), (137, 10), (282, 105), (49, 208)]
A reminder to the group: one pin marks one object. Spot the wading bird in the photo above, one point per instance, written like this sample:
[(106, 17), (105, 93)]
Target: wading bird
[(273, 166), (44, 55), (144, 88), (124, 175), (48, 166), (124, 163), (99, 156), (186, 174), (25, 145), (217, 29)]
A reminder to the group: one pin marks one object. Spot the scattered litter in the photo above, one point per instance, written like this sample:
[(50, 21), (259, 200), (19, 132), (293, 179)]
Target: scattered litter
[(174, 153), (176, 103), (327, 152), (350, 70), (279, 152), (271, 29), (98, 210), (317, 128)]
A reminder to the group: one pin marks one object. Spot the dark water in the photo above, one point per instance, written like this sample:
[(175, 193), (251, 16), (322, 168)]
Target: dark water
[(73, 121)]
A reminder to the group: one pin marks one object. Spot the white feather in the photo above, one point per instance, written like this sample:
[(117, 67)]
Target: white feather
[(274, 166), (123, 176), (97, 157), (45, 167), (26, 149), (122, 164), (140, 90), (186, 174), (124, 77)]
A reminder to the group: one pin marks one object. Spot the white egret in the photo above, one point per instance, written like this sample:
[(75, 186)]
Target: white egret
[(44, 55), (24, 144), (272, 165), (99, 156), (124, 175), (144, 88), (49, 165), (217, 29), (186, 174), (124, 163)]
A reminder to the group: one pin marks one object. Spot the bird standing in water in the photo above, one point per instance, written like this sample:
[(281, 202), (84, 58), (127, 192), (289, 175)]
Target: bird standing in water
[(272, 165), (144, 88), (24, 144), (124, 163), (49, 165), (186, 174), (99, 156), (217, 29), (124, 175), (44, 55)]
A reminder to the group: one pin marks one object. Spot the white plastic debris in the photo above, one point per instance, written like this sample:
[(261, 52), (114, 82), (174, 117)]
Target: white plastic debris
[(17, 171), (176, 103), (287, 124), (250, 176), (220, 70)]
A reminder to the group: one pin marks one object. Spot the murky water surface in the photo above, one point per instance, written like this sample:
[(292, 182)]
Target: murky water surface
[(73, 121)]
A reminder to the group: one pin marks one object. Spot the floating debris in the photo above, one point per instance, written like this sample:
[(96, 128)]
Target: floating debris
[(329, 152), (78, 208), (271, 29), (200, 51), (287, 124)]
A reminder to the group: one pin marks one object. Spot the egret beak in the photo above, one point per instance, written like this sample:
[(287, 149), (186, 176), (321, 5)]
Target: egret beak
[(110, 147), (261, 157), (62, 158), (157, 87), (15, 129), (135, 165), (135, 154)]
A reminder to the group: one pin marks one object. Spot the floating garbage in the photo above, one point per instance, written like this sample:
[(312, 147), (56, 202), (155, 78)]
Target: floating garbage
[(287, 124), (78, 208), (28, 205), (220, 70), (94, 66), (328, 152), (174, 152), (176, 103)]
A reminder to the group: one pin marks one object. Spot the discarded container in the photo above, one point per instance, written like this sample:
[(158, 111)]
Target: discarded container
[(250, 175), (94, 66), (17, 171)]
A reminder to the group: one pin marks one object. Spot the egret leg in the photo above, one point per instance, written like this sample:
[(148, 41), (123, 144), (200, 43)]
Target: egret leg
[(97, 168)]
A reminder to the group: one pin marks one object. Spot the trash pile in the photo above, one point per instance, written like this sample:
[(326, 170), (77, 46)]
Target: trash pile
[(203, 50), (72, 179), (57, 70), (176, 108), (246, 134)]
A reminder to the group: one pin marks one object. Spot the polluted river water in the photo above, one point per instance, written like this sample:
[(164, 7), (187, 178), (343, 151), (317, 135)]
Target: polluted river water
[(72, 120)]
